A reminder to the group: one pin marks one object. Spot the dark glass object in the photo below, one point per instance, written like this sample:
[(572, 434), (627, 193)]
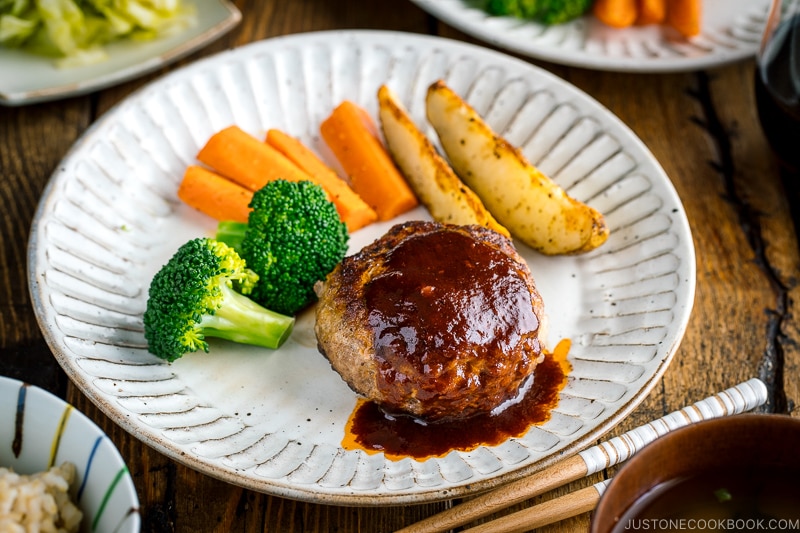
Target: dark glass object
[(777, 82)]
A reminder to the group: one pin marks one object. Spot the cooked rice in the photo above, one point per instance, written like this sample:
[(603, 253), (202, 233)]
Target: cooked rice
[(38, 503)]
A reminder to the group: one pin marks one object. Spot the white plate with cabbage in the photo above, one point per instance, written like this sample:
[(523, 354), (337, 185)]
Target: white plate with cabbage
[(67, 51)]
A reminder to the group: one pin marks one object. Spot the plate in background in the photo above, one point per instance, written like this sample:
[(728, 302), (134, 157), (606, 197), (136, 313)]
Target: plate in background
[(27, 78), (273, 421), (731, 32)]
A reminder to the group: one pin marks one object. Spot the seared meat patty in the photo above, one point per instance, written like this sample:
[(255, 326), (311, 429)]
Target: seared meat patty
[(433, 320)]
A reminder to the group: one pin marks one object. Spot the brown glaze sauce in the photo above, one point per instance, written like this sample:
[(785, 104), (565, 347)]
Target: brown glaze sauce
[(372, 430), (451, 314)]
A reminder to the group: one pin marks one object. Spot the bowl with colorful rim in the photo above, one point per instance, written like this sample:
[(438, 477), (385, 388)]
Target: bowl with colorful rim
[(57, 463)]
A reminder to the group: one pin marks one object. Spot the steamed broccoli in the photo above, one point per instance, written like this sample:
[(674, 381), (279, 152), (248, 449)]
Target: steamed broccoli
[(294, 237), (200, 292), (545, 11)]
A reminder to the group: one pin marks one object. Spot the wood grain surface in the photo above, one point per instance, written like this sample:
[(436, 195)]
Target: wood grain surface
[(701, 126)]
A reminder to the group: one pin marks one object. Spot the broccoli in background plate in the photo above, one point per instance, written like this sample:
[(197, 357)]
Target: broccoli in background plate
[(544, 11)]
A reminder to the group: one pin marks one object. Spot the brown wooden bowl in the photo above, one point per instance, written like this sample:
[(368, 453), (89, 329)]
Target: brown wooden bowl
[(736, 450)]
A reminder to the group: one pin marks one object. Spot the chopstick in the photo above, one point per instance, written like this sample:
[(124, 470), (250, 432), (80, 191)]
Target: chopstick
[(552, 511), (740, 398)]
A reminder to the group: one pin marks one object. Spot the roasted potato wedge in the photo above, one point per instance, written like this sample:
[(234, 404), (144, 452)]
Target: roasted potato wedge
[(534, 208), (432, 179)]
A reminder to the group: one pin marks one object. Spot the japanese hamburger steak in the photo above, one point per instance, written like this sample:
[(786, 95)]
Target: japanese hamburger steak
[(432, 320)]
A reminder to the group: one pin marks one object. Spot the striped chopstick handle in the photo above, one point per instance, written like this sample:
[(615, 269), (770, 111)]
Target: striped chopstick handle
[(743, 397)]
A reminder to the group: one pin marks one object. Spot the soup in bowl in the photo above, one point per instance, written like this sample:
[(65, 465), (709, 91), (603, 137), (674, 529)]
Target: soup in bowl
[(740, 473)]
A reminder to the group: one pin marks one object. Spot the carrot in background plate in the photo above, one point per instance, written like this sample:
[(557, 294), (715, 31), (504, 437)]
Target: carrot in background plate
[(214, 195), (351, 135), (685, 16), (651, 12), (240, 157), (354, 211), (616, 13)]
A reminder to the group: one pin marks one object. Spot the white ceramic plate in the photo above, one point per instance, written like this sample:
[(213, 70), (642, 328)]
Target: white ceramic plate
[(731, 30), (39, 430), (273, 421), (27, 78)]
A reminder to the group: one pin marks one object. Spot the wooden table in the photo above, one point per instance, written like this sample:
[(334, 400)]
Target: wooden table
[(701, 126)]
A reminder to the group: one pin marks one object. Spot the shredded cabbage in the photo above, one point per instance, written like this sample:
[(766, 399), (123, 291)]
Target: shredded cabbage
[(74, 32)]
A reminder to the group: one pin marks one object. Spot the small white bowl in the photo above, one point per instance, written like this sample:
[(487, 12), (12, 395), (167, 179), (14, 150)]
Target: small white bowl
[(39, 430)]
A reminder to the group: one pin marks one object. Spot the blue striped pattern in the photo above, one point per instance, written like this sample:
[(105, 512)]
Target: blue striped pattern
[(105, 493)]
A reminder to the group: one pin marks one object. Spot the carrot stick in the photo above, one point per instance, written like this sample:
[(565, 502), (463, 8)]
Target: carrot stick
[(352, 209), (685, 16), (214, 195), (240, 157), (651, 12), (351, 135), (615, 13)]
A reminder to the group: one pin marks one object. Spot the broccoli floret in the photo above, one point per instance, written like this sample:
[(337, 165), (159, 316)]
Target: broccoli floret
[(201, 292), (293, 238), (561, 11), (547, 12), (525, 9)]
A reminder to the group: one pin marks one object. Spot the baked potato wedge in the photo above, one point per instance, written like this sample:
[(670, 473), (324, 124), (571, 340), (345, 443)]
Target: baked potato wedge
[(532, 206), (431, 178)]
